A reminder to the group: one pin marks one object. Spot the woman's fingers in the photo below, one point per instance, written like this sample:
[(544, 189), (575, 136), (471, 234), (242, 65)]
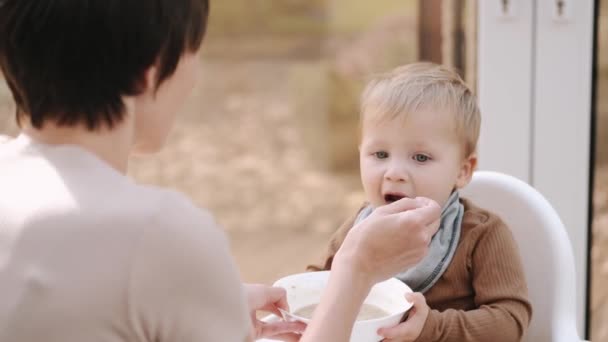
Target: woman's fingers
[(276, 329)]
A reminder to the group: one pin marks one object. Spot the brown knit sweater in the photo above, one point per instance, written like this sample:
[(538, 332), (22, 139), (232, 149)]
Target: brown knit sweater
[(482, 296)]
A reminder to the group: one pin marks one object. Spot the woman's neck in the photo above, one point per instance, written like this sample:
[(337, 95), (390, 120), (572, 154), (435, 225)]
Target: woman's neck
[(110, 145)]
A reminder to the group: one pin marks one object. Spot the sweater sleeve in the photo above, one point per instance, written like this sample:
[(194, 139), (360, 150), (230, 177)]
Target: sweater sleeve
[(502, 311), (184, 285)]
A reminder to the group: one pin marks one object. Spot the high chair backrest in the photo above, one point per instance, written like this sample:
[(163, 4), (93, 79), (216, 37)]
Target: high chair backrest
[(545, 249)]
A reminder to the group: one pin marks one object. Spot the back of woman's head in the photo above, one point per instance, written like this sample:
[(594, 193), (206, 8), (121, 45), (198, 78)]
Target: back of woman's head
[(72, 61)]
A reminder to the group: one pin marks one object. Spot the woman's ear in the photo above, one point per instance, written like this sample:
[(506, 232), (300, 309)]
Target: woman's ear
[(468, 166), (149, 79)]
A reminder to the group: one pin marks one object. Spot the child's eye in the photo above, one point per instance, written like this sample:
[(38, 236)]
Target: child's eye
[(421, 158), (381, 154)]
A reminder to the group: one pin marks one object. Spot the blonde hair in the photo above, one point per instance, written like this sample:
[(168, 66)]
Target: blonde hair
[(424, 86)]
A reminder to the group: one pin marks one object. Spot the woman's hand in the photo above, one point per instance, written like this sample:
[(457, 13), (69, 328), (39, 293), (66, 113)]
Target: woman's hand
[(270, 299), (394, 237)]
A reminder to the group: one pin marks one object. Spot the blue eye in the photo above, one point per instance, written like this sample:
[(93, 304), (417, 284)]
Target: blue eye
[(381, 154), (421, 158)]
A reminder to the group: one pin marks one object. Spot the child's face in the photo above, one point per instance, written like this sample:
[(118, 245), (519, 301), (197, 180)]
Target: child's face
[(419, 156)]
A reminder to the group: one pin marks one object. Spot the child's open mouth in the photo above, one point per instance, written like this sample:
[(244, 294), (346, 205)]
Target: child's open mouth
[(390, 198)]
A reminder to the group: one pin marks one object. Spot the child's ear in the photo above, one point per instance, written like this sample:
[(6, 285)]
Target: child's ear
[(469, 164)]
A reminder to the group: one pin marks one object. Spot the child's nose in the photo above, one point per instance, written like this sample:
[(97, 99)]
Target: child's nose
[(396, 173)]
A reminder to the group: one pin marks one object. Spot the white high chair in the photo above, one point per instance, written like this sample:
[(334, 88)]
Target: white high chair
[(545, 249)]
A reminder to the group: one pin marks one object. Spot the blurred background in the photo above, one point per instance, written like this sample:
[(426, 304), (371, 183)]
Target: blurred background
[(268, 141)]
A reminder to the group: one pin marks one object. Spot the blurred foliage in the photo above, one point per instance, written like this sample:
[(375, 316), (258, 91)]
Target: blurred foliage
[(297, 17), (353, 16), (259, 17)]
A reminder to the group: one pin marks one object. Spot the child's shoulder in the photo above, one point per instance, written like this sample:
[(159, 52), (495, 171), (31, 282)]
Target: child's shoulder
[(485, 234), (479, 219)]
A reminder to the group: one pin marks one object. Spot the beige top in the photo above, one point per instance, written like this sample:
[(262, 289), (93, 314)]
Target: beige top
[(88, 255), (482, 296)]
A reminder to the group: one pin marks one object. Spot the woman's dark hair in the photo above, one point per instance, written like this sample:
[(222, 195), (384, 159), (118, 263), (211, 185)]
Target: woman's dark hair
[(71, 61)]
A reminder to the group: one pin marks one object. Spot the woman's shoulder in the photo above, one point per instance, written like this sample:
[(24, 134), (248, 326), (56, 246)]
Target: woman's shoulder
[(182, 249), (173, 210), (4, 138), (177, 232)]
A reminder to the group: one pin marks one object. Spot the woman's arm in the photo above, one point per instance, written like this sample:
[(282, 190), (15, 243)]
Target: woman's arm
[(391, 238)]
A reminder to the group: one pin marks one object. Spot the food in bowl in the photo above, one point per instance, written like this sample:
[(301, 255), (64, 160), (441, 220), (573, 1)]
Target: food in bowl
[(368, 311), (304, 293)]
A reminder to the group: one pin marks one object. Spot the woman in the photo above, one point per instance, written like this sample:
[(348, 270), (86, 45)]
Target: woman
[(86, 253)]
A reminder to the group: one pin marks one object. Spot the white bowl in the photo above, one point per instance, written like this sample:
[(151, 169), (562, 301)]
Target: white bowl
[(305, 289)]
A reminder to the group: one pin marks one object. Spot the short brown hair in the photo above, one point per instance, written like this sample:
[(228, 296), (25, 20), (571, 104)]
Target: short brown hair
[(419, 86)]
